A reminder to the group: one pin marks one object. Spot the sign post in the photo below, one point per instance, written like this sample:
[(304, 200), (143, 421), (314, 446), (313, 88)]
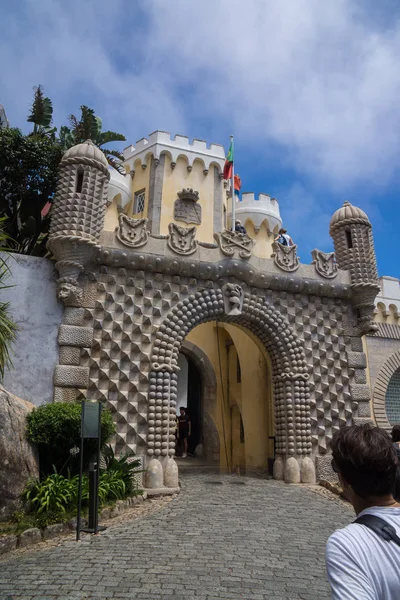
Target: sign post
[(90, 429)]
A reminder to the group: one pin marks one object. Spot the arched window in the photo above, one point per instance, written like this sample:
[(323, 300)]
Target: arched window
[(392, 399), (349, 239), (79, 180)]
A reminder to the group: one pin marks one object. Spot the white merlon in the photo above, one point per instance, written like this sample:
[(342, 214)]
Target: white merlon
[(160, 142), (388, 299), (258, 210)]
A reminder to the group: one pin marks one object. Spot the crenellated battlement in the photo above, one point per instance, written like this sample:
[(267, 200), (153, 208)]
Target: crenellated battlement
[(161, 142), (258, 210)]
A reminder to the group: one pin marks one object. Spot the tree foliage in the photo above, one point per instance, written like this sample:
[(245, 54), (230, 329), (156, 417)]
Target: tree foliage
[(28, 167), (8, 329), (89, 127), (41, 114)]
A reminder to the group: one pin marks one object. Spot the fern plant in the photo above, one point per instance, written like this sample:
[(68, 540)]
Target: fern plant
[(55, 494), (124, 466)]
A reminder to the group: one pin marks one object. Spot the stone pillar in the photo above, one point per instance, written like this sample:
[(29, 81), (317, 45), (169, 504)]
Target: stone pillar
[(155, 194), (293, 429), (161, 428), (69, 375)]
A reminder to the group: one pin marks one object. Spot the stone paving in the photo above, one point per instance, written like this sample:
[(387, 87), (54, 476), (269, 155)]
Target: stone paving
[(221, 538)]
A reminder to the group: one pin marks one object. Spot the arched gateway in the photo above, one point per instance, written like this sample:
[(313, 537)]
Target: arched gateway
[(135, 283), (290, 374)]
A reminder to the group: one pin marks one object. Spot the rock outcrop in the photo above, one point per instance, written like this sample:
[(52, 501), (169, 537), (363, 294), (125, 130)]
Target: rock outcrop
[(18, 458)]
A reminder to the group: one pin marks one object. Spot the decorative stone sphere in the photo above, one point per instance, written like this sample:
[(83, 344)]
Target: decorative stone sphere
[(347, 212), (86, 150)]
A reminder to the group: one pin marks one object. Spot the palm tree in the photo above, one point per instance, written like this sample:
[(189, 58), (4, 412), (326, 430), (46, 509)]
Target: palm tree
[(41, 114), (8, 329), (89, 127)]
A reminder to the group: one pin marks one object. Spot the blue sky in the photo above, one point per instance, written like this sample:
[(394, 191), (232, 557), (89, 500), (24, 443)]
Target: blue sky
[(310, 89)]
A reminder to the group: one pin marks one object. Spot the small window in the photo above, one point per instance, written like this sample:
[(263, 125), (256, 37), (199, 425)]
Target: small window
[(349, 239), (79, 180), (238, 371), (138, 205), (241, 430)]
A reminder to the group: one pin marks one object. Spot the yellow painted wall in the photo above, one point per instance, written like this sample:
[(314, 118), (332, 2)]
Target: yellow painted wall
[(111, 218), (263, 245), (140, 182), (252, 397), (178, 178), (256, 398)]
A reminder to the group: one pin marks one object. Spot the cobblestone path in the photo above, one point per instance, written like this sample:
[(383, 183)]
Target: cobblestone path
[(261, 539)]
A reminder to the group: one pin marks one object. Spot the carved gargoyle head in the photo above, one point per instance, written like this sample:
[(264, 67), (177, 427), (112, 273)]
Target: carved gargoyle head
[(69, 292)]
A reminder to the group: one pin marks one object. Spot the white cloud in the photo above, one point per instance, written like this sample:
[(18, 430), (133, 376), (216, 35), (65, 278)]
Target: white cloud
[(319, 79), (315, 77)]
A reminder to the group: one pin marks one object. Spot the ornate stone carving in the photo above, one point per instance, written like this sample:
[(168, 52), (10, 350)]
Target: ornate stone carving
[(182, 239), (285, 257), (69, 292), (233, 299), (186, 208), (325, 263), (231, 242), (132, 232)]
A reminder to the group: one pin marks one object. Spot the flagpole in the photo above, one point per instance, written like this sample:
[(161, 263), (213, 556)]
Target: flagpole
[(233, 185)]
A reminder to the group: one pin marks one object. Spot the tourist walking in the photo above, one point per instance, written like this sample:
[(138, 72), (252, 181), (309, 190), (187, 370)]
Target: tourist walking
[(363, 559), (184, 430)]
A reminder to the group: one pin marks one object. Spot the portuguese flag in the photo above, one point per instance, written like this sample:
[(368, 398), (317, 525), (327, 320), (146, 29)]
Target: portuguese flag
[(229, 163)]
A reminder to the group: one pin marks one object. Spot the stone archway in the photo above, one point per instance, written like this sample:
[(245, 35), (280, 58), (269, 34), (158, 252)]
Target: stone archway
[(385, 374), (209, 399), (289, 369)]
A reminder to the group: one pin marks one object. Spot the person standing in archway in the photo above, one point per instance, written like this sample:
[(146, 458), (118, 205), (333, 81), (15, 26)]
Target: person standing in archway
[(184, 430)]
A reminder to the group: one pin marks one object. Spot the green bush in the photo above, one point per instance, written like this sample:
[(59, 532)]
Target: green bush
[(55, 428), (60, 423)]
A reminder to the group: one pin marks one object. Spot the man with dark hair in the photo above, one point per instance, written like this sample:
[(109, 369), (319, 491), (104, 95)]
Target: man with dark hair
[(396, 444), (396, 433), (362, 563)]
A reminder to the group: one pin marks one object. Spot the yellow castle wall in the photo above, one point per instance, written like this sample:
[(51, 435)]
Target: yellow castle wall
[(177, 179), (140, 182), (252, 397), (263, 245)]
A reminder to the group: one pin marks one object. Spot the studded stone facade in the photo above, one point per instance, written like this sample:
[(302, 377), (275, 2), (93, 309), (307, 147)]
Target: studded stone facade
[(119, 342)]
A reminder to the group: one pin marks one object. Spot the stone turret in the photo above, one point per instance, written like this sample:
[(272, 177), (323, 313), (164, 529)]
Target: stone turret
[(78, 213), (263, 209), (351, 231)]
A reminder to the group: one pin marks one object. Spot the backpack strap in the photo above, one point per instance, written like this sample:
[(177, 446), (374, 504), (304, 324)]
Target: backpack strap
[(380, 527)]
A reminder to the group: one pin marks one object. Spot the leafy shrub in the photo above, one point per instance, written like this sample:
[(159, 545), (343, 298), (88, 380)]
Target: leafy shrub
[(55, 494), (124, 466), (56, 427)]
